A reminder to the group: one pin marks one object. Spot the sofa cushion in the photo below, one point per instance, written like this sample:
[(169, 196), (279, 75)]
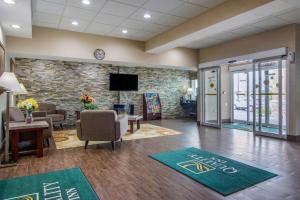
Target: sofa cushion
[(15, 114), (47, 107), (56, 117)]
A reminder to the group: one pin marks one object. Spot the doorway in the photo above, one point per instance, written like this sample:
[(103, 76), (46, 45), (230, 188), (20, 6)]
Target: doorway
[(264, 81), (211, 107), (269, 92)]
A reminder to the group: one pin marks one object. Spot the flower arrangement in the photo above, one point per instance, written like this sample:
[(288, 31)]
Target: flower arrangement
[(88, 102), (29, 104)]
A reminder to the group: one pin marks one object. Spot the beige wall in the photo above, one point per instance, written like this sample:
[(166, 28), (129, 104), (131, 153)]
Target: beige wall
[(281, 37), (47, 43), (288, 36)]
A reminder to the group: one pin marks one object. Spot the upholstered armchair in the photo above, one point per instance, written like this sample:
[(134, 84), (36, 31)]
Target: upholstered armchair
[(95, 125), (58, 116), (16, 115)]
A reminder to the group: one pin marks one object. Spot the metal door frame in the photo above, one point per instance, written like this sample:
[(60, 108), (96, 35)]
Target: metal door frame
[(203, 121)]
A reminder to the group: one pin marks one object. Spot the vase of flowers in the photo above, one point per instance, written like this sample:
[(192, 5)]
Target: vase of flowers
[(88, 102), (28, 105)]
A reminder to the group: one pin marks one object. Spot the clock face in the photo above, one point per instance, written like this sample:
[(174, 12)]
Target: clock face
[(99, 54)]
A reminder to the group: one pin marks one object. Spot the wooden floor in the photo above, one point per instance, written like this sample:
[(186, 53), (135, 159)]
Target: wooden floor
[(128, 173)]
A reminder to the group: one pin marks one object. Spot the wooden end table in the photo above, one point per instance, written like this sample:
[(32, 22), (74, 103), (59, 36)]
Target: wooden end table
[(132, 119), (36, 127)]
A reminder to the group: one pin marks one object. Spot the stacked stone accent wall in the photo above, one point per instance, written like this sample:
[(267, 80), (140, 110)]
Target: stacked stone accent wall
[(62, 83)]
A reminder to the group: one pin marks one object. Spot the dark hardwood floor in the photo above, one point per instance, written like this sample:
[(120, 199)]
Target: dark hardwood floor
[(128, 173)]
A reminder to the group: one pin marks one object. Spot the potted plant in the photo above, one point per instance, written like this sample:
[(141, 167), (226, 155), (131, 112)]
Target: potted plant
[(88, 102), (28, 105)]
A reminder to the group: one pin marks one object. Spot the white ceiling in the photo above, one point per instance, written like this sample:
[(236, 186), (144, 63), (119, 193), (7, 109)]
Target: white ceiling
[(18, 14), (109, 17), (289, 16)]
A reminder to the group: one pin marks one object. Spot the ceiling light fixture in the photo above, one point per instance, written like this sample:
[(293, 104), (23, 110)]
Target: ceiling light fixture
[(124, 31), (15, 26), (9, 1), (75, 23), (147, 16), (86, 2)]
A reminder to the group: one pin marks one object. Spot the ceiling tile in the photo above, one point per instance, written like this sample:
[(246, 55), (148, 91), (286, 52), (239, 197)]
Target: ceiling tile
[(187, 10), (206, 3), (118, 32), (269, 23), (139, 15), (78, 13), (162, 6), (58, 1), (45, 17), (66, 23), (170, 20), (95, 5), (118, 9), (48, 7), (109, 19), (155, 28), (97, 28), (45, 24), (135, 24), (133, 2)]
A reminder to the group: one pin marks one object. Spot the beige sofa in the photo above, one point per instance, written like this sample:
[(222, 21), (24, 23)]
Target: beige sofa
[(95, 125), (58, 116)]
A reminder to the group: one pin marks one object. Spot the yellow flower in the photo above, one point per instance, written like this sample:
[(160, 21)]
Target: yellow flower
[(28, 104)]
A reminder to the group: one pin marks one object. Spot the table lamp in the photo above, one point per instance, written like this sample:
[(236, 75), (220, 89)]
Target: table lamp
[(9, 83)]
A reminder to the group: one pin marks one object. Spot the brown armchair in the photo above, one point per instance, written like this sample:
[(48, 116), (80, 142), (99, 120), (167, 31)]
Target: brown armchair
[(16, 115), (95, 125), (58, 116)]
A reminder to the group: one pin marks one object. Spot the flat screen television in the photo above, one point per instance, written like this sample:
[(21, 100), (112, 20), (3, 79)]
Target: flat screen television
[(123, 82)]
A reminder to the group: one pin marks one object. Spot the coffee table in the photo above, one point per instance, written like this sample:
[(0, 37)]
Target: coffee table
[(132, 119)]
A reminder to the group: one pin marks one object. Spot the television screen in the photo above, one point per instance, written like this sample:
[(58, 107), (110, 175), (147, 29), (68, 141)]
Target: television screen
[(123, 82)]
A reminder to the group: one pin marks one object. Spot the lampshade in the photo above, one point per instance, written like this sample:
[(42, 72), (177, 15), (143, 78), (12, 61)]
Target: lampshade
[(189, 91), (9, 81), (22, 91)]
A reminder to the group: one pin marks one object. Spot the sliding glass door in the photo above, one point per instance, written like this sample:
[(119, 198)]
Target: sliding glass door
[(269, 92), (240, 98), (211, 115)]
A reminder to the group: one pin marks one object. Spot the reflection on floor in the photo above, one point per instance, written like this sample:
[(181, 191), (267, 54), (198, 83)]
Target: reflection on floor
[(249, 127)]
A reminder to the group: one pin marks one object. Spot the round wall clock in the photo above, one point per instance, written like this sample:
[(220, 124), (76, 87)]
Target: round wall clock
[(99, 54)]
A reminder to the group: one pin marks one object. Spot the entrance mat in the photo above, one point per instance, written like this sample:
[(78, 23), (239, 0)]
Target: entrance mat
[(64, 184), (221, 174)]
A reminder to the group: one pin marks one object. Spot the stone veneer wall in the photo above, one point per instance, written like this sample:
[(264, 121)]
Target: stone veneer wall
[(62, 83)]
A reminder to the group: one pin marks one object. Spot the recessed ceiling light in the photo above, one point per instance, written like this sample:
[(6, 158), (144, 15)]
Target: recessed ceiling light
[(147, 16), (124, 31), (75, 23), (86, 2), (15, 26), (9, 1)]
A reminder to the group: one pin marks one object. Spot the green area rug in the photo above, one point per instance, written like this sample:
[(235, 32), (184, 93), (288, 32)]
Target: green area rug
[(221, 174), (69, 184), (249, 127)]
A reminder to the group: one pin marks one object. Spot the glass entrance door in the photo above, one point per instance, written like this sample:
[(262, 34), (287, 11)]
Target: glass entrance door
[(269, 94), (240, 97), (211, 114)]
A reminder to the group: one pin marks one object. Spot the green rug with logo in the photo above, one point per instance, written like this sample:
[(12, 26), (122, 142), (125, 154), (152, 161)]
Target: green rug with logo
[(221, 174), (69, 184)]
